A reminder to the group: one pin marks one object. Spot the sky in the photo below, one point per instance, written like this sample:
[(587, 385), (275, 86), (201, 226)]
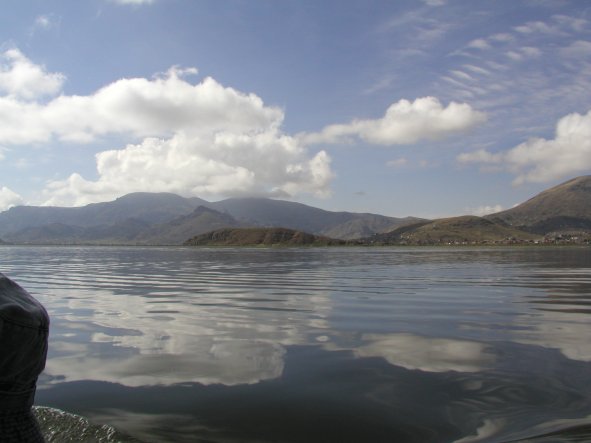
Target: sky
[(427, 108)]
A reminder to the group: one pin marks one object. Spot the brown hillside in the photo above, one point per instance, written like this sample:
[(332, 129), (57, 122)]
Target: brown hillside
[(561, 208), (455, 230), (176, 231)]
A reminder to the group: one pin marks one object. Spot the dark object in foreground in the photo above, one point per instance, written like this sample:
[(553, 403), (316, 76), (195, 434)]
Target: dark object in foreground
[(24, 330)]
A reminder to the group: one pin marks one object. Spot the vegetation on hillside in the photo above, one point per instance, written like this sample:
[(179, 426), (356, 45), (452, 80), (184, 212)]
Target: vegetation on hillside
[(261, 237), (454, 231)]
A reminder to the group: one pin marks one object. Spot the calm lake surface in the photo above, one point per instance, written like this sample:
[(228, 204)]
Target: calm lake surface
[(342, 344)]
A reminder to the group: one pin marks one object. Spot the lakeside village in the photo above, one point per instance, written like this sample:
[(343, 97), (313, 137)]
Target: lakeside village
[(574, 238), (552, 238)]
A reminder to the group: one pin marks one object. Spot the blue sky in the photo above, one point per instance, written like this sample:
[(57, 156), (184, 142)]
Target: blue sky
[(427, 108)]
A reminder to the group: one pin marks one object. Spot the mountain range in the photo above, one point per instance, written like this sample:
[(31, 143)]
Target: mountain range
[(169, 219)]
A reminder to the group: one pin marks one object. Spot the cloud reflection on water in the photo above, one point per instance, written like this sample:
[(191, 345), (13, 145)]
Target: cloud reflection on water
[(125, 340), (559, 316), (229, 363), (426, 353), (209, 343), (446, 338), (230, 321), (566, 331)]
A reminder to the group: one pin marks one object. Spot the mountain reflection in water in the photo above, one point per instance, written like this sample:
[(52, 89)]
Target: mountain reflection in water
[(345, 344)]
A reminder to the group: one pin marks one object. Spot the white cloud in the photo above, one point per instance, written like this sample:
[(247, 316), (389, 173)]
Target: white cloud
[(480, 156), (434, 2), (397, 163), (524, 52), (43, 21), (502, 37), (405, 122), (515, 56), (224, 163), (138, 107), (46, 22), (579, 49), (9, 198), (462, 75), (539, 160), (192, 139), (576, 24), (477, 69), (485, 210), (454, 81), (479, 44), (23, 80), (535, 27), (530, 51)]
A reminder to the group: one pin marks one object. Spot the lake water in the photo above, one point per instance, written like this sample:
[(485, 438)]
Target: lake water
[(317, 345)]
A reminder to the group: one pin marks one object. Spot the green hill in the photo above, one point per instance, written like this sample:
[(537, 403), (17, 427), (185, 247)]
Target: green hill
[(261, 237)]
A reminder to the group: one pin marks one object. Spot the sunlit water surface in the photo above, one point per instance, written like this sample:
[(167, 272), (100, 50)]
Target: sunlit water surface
[(343, 344)]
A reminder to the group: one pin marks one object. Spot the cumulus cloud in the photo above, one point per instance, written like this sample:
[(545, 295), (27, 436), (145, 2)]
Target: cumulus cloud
[(405, 122), (192, 139), (137, 106), (224, 163), (9, 198), (200, 138), (539, 160), (21, 79)]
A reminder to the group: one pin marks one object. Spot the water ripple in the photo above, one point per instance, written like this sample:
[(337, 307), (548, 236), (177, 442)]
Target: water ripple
[(500, 335)]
